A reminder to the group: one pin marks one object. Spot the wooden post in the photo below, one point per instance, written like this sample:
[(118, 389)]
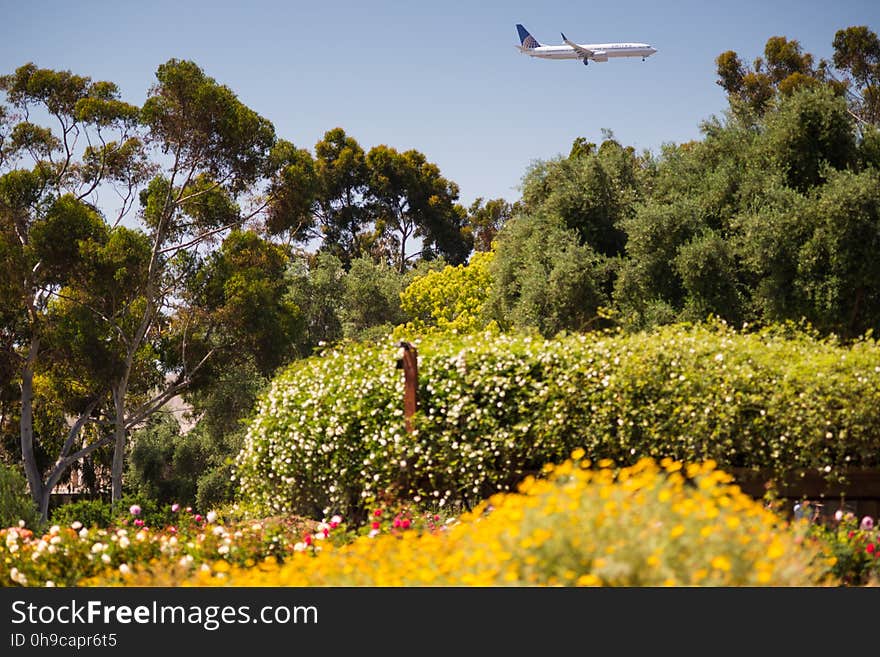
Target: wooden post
[(409, 362)]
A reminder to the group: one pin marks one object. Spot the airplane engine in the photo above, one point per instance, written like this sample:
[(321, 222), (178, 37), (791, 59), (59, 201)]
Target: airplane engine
[(600, 56)]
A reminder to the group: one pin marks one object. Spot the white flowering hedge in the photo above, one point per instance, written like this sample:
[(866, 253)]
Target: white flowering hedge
[(329, 434)]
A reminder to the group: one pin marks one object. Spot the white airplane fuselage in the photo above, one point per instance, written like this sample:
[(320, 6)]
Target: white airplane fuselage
[(601, 51)]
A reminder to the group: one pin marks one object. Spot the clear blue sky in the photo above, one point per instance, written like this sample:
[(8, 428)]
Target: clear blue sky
[(440, 77)]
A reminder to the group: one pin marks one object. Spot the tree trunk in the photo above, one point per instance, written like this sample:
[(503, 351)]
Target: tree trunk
[(32, 471), (119, 442), (402, 253)]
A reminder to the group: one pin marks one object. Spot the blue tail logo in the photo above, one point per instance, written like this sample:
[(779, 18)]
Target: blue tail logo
[(526, 39)]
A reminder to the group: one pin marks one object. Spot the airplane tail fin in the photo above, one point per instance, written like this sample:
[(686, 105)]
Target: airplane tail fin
[(527, 41)]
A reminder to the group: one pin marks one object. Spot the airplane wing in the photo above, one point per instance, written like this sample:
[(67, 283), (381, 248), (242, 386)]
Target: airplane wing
[(580, 50)]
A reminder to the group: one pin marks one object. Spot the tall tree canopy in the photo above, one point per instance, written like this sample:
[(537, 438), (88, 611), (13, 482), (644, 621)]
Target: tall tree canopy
[(352, 203), (91, 299)]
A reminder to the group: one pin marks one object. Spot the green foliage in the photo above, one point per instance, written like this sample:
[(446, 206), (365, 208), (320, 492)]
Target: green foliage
[(104, 514), (810, 130), (763, 221), (329, 433), (544, 279), (315, 286), (857, 53), (592, 192), (411, 199), (370, 300), (241, 287), (91, 513), (206, 125), (485, 219), (15, 503), (164, 464)]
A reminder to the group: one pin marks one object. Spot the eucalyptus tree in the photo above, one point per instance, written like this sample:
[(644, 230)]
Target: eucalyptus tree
[(189, 157), (321, 198), (47, 224), (410, 199)]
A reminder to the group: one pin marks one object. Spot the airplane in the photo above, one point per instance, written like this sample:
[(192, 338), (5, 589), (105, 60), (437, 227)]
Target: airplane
[(598, 52)]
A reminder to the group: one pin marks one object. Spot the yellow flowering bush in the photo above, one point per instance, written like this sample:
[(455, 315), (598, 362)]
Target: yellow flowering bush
[(452, 299), (650, 524)]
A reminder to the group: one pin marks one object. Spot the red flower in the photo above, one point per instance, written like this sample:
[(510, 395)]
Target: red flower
[(405, 523), (870, 549), (396, 522), (308, 539), (374, 525), (377, 512)]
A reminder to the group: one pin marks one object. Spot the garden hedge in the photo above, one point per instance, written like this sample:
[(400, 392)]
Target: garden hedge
[(329, 433)]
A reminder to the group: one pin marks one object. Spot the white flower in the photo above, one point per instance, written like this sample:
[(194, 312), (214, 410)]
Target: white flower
[(124, 569), (98, 547), (211, 517), (105, 558), (49, 583), (76, 525), (54, 529), (124, 542), (223, 549), (83, 533)]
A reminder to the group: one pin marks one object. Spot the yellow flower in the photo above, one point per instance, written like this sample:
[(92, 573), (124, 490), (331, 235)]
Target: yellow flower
[(588, 580), (721, 563)]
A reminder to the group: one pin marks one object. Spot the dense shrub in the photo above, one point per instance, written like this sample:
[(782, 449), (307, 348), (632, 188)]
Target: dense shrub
[(15, 502), (329, 434), (645, 525), (73, 554), (104, 513)]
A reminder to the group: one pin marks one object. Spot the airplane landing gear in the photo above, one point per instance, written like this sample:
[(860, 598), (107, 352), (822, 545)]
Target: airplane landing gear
[(586, 61)]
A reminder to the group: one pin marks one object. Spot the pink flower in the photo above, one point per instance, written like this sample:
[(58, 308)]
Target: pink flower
[(405, 523), (134, 510), (175, 507), (189, 509), (172, 529), (138, 523), (396, 522), (867, 523), (198, 517)]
